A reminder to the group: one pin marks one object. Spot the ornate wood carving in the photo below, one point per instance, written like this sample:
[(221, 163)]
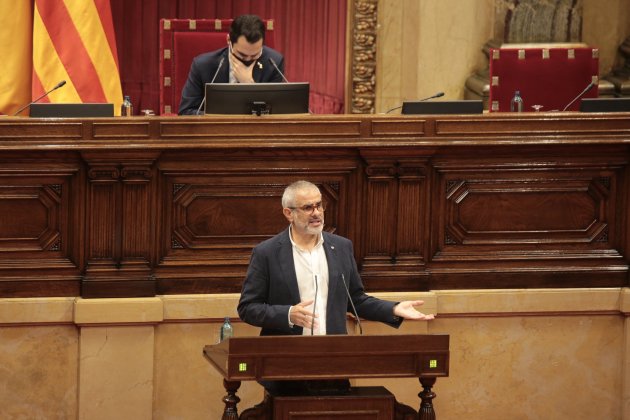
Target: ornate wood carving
[(40, 225), (439, 202), (363, 68), (119, 228)]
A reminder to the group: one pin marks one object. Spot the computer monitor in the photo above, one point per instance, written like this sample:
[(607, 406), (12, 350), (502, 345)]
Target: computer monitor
[(605, 105), (257, 98), (443, 107), (74, 110)]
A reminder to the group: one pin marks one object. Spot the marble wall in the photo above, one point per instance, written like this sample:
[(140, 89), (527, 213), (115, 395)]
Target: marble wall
[(515, 354)]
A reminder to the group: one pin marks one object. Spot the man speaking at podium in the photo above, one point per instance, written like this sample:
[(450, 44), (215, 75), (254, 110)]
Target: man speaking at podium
[(299, 281), (243, 60)]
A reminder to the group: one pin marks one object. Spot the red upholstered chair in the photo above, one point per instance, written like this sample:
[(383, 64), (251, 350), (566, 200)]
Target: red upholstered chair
[(548, 76), (181, 40)]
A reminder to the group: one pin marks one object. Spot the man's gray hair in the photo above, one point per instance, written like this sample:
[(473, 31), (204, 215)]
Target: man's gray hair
[(288, 198)]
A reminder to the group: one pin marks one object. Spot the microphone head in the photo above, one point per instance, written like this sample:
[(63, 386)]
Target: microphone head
[(63, 82), (439, 94)]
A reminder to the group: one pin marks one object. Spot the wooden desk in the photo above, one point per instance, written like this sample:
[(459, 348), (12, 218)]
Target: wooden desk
[(126, 207), (330, 357)]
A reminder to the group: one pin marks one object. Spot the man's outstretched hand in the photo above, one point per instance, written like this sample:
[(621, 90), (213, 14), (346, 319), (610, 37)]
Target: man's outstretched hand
[(407, 310)]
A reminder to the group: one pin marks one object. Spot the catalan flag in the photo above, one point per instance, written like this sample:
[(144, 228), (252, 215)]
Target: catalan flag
[(73, 40), (15, 43)]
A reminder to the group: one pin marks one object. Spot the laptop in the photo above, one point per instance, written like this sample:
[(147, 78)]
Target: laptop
[(605, 105), (71, 110), (443, 107)]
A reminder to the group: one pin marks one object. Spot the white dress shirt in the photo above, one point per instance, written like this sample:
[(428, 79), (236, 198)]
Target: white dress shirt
[(311, 268)]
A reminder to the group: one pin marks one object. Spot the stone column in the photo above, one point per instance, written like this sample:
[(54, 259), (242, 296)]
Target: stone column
[(116, 357)]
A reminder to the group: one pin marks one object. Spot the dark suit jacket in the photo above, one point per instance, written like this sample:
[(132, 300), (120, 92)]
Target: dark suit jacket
[(271, 287), (204, 67)]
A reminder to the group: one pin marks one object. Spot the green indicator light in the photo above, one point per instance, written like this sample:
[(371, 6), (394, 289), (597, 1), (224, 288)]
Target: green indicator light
[(242, 367), (432, 363)]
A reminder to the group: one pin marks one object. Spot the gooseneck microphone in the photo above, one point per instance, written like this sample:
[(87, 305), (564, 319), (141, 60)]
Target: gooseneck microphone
[(275, 66), (437, 95), (314, 302), (211, 82), (57, 86), (354, 310), (584, 92)]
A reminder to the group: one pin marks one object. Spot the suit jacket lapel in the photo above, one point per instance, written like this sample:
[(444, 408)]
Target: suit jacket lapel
[(224, 72), (257, 72), (285, 256), (332, 258)]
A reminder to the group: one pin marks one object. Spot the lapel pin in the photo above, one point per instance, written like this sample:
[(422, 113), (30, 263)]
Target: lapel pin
[(260, 65)]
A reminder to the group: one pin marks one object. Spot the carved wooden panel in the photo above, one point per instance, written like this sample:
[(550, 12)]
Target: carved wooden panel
[(175, 205), (557, 212), (213, 220), (37, 229), (119, 225), (395, 208), (363, 61)]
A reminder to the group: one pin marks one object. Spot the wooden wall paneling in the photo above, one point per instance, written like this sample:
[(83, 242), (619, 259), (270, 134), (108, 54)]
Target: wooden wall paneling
[(510, 217), (396, 210), (174, 205), (40, 225), (216, 207), (120, 224), (413, 212)]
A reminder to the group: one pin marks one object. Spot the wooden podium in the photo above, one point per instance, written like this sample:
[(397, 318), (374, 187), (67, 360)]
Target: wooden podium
[(330, 357)]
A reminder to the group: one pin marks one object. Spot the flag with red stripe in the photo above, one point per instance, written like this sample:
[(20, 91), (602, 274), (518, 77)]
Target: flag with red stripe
[(73, 40), (15, 43)]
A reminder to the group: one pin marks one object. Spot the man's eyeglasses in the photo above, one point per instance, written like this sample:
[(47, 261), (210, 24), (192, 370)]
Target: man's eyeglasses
[(310, 208)]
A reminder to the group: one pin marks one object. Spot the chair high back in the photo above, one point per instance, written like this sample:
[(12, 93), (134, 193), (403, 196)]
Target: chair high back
[(181, 40), (550, 76)]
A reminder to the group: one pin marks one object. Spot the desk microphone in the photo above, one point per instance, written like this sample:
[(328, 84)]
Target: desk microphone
[(584, 92), (273, 63), (437, 95), (354, 310), (57, 86), (211, 82), (275, 66), (314, 303)]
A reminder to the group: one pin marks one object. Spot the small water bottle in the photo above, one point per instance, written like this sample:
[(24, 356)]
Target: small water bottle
[(226, 329), (126, 109), (516, 104)]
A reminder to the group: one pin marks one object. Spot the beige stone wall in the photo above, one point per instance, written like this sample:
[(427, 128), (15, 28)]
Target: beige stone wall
[(427, 46), (606, 25), (514, 354)]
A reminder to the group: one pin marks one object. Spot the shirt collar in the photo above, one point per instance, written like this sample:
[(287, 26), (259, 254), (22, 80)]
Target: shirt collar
[(320, 239)]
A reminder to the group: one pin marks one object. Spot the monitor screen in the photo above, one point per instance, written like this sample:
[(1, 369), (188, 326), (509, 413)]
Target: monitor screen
[(443, 107), (605, 105), (75, 110), (257, 98)]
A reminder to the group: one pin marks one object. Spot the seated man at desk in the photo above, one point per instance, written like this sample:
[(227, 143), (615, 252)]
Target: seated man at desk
[(301, 280), (243, 60)]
